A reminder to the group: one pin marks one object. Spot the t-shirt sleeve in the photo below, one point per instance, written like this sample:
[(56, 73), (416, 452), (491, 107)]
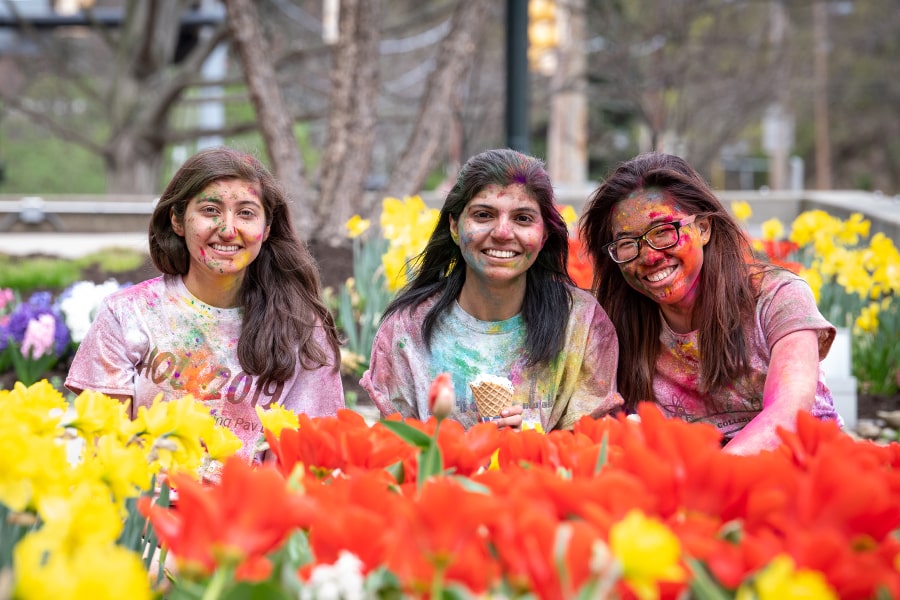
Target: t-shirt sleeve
[(594, 386), (103, 362), (787, 305), (317, 392), (389, 380)]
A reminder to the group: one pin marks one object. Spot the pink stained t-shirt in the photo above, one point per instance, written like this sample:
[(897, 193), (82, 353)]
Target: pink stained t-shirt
[(156, 338), (785, 305), (580, 381)]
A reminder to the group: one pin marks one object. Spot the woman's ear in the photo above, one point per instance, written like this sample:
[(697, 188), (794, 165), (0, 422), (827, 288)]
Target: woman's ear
[(454, 230), (704, 225), (177, 226)]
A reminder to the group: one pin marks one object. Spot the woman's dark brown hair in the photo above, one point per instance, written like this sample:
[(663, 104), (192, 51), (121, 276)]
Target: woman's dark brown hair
[(440, 268), (280, 294), (728, 295)]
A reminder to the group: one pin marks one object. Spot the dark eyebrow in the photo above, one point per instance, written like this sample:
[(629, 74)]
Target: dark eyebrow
[(523, 209), (657, 222)]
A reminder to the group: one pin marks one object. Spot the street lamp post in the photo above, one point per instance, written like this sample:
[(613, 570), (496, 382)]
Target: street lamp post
[(517, 75)]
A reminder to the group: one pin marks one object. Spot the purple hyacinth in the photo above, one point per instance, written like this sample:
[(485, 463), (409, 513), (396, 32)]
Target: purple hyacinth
[(38, 304)]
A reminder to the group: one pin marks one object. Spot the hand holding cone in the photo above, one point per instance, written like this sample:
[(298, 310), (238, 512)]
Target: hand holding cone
[(492, 394)]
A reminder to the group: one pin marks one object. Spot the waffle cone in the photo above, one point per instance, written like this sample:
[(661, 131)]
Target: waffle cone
[(490, 398)]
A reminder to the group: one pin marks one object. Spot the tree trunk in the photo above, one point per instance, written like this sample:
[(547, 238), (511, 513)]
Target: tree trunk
[(351, 119), (132, 163), (435, 112), (272, 114)]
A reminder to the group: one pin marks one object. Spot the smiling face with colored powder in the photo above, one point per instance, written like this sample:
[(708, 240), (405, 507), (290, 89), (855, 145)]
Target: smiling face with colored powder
[(500, 233), (670, 277), (224, 227)]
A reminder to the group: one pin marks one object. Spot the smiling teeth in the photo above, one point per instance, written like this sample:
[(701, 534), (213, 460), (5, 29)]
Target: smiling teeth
[(221, 248), (660, 275), (500, 253)]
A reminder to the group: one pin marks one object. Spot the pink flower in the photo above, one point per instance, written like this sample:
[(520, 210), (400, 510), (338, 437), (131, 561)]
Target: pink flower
[(441, 396), (6, 296), (38, 339)]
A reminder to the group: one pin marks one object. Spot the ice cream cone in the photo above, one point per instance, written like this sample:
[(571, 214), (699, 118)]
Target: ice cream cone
[(492, 394)]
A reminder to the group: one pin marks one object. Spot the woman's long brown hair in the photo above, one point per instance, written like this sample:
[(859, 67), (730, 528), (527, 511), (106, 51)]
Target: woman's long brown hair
[(281, 292), (728, 292)]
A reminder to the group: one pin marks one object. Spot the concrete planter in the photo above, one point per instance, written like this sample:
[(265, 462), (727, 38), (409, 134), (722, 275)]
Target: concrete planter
[(838, 367)]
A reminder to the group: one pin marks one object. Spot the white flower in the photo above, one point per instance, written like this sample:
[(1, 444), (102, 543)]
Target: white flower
[(341, 581), (80, 304)]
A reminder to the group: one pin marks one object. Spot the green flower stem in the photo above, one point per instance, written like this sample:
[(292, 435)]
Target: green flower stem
[(220, 579)]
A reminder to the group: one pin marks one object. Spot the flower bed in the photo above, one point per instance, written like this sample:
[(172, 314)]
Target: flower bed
[(614, 509)]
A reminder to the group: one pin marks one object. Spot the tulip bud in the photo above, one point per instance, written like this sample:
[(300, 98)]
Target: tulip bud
[(441, 396)]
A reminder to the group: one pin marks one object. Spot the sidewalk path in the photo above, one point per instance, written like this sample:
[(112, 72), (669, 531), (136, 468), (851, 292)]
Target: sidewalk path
[(69, 245)]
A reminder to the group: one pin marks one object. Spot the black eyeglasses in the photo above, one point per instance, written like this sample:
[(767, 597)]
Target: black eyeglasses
[(658, 237)]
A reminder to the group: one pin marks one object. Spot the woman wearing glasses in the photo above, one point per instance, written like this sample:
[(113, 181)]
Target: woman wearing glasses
[(705, 332)]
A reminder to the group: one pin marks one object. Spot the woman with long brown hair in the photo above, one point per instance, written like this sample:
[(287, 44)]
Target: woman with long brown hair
[(705, 332), (236, 319)]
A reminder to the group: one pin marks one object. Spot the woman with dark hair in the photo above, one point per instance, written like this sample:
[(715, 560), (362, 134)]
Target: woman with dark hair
[(490, 297), (236, 319), (705, 331)]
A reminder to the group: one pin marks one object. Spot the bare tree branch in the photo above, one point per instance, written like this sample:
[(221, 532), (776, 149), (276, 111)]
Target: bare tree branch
[(272, 113), (435, 108)]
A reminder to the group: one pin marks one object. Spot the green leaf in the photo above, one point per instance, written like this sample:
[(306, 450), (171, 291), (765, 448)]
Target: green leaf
[(408, 434), (602, 456), (297, 550), (382, 584), (472, 486), (702, 584), (255, 591), (455, 592), (431, 462), (396, 471)]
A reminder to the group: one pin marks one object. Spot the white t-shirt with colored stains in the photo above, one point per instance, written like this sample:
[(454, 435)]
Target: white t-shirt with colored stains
[(156, 338), (785, 305), (580, 381)]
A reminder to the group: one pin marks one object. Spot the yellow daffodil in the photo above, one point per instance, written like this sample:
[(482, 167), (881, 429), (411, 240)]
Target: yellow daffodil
[(277, 418), (781, 581), (814, 279), (394, 262), (87, 516), (96, 571), (812, 225), (852, 229), (406, 225), (772, 229), (882, 260), (495, 461), (569, 215), (33, 467), (98, 414), (648, 552), (867, 320), (38, 407), (741, 210), (357, 226), (174, 431), (122, 468), (221, 442)]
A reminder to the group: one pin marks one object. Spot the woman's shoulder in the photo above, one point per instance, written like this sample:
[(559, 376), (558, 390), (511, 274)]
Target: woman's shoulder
[(582, 299), (133, 297), (769, 279)]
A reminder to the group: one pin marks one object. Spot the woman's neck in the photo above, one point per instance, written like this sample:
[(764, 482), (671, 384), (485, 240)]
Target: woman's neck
[(678, 318), (221, 292), (492, 302)]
